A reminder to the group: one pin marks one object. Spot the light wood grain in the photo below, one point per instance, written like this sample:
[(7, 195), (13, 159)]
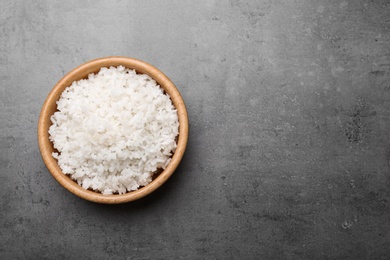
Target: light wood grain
[(49, 107)]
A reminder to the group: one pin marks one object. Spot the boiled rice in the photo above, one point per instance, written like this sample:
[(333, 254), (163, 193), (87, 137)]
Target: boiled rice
[(114, 130)]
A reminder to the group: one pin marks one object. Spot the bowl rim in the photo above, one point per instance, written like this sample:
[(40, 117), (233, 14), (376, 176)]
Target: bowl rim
[(82, 71)]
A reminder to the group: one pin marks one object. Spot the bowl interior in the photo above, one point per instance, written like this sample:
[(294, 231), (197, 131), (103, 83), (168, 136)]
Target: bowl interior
[(82, 72)]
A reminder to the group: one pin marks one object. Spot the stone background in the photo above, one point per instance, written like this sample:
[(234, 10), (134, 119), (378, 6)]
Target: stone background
[(289, 107)]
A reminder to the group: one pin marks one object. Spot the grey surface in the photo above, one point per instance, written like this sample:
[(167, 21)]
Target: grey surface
[(289, 106)]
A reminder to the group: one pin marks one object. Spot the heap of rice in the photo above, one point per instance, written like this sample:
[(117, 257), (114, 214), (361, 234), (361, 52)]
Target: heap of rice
[(114, 130)]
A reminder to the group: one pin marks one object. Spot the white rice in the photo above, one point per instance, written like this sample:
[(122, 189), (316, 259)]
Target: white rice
[(114, 130)]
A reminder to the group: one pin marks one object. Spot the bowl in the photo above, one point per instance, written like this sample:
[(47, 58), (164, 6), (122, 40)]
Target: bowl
[(81, 72)]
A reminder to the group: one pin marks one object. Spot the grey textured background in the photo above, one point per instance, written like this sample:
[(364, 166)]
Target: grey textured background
[(289, 106)]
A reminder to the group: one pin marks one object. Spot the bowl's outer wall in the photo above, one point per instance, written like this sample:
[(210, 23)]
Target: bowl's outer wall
[(82, 72)]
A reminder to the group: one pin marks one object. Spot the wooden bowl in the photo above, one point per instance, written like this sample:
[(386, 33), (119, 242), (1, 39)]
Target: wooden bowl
[(81, 72)]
